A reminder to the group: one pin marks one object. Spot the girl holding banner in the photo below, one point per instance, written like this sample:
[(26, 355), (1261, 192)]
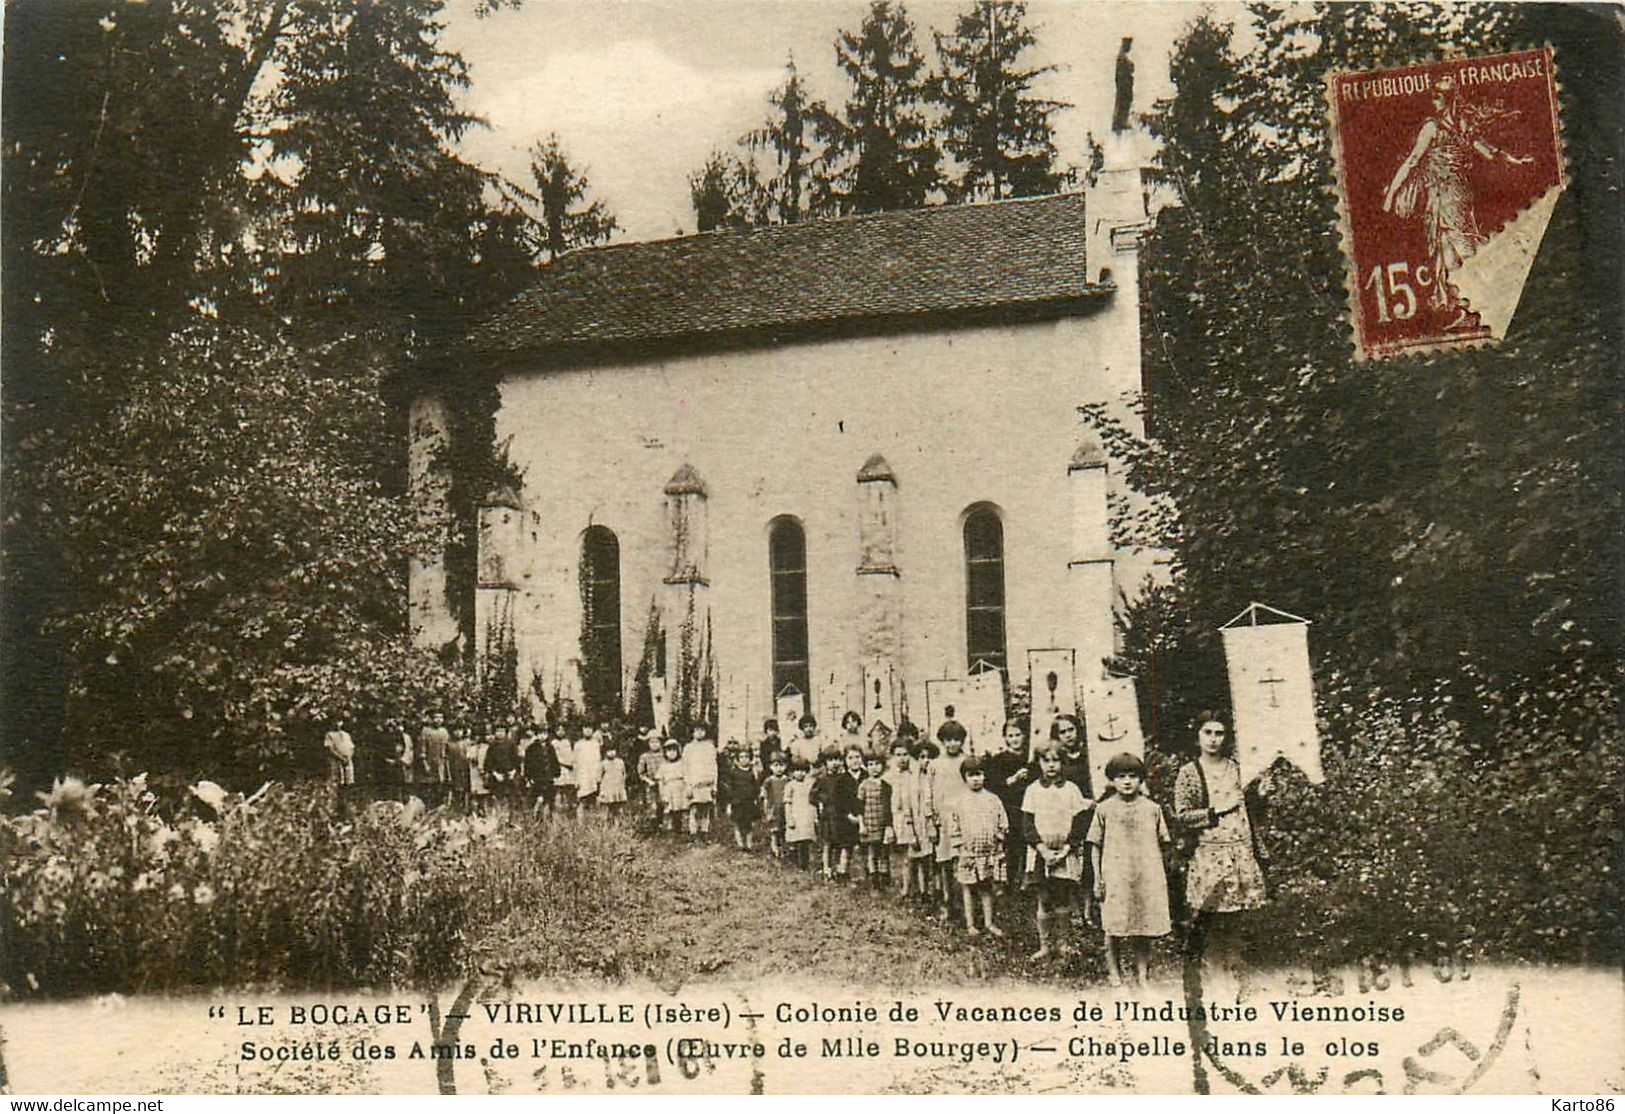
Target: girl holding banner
[(1216, 820)]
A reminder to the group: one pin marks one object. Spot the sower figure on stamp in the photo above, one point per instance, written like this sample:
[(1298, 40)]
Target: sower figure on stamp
[(1435, 174), (1218, 834)]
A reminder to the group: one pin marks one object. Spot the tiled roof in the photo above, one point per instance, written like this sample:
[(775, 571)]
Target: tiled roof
[(1022, 253)]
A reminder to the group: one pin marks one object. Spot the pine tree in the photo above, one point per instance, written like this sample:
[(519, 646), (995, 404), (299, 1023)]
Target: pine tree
[(560, 192), (226, 330), (381, 223), (795, 119), (727, 192), (882, 152), (1281, 456), (998, 133)]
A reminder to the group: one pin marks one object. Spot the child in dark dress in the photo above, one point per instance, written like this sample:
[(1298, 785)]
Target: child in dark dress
[(1008, 777), (823, 781), (841, 795), (541, 766), (738, 792)]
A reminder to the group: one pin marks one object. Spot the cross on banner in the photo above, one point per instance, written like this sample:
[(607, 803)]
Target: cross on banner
[(1272, 656), (1272, 679), (733, 713)]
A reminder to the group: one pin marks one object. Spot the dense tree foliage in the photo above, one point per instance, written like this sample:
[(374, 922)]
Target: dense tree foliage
[(568, 218), (906, 136), (727, 192), (998, 133), (794, 120), (1451, 516), (223, 220), (882, 152)]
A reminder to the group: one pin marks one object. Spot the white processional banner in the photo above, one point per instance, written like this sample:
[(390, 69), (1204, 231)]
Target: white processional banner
[(1272, 693), (657, 700), (733, 713), (982, 709), (942, 693), (1052, 675), (1111, 715), (788, 708), (881, 702), (836, 697)]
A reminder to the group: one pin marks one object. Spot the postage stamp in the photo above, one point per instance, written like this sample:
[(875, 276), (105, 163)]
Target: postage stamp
[(1447, 173)]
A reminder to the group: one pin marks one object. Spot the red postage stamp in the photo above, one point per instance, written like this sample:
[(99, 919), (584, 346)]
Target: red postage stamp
[(1447, 173)]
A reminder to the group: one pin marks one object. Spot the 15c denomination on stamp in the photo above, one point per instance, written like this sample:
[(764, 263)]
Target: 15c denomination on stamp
[(1447, 173)]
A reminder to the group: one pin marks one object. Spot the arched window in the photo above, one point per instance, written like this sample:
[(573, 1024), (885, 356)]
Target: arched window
[(984, 588), (601, 621), (787, 565)]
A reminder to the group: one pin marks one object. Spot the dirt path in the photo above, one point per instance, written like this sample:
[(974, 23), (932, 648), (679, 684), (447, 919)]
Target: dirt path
[(711, 913)]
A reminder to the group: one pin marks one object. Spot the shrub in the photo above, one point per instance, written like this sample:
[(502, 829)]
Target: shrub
[(111, 889), (1490, 831)]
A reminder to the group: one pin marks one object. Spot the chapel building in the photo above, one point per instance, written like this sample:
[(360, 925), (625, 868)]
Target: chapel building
[(818, 465)]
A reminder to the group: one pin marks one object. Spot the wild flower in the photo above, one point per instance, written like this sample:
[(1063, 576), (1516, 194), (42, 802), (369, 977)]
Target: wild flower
[(206, 837), (204, 894), (70, 801), (212, 795), (157, 843)]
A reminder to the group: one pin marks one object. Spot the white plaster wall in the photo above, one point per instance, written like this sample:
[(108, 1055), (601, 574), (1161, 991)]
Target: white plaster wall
[(963, 416)]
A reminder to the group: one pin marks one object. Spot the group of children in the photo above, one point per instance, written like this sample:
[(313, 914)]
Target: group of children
[(936, 823), (930, 818)]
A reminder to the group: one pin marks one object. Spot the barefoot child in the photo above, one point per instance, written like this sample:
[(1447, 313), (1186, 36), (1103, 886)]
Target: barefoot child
[(875, 830), (1055, 819), (979, 827), (1126, 841), (800, 815)]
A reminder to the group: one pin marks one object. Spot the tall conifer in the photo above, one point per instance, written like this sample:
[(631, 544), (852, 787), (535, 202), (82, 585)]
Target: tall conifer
[(998, 133)]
